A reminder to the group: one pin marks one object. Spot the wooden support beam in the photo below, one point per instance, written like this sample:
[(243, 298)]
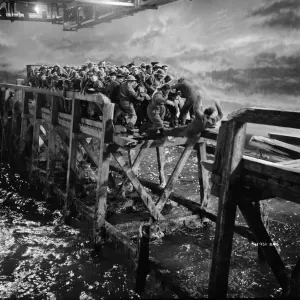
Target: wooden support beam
[(54, 102), (102, 182), (290, 139), (24, 122), (274, 146), (254, 221), (142, 269), (147, 199), (295, 281), (35, 139), (161, 161), (228, 159), (74, 128), (266, 116), (143, 151), (176, 172), (196, 208), (202, 174)]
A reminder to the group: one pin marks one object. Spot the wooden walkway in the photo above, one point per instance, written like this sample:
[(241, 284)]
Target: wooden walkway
[(238, 180)]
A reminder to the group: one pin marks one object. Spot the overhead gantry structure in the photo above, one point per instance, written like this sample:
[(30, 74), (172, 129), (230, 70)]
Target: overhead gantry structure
[(74, 15)]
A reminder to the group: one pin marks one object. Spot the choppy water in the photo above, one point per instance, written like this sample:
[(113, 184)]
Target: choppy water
[(43, 259)]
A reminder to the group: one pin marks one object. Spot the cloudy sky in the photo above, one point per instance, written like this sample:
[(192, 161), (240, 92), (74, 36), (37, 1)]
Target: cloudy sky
[(237, 47)]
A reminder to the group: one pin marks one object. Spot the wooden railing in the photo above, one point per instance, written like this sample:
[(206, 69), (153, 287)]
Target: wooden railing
[(239, 181)]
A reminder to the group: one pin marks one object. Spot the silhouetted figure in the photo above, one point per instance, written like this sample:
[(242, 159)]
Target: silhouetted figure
[(12, 7)]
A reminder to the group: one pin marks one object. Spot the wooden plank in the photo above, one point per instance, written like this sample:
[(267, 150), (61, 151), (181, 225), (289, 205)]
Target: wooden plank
[(293, 140), (266, 116), (202, 174), (234, 135), (275, 146), (290, 163), (267, 247), (161, 161), (64, 115), (269, 188), (147, 199), (142, 269), (124, 141), (53, 119), (23, 121), (13, 125), (102, 182), (72, 157), (262, 168), (96, 133), (63, 122), (99, 98), (173, 178), (93, 123), (35, 139)]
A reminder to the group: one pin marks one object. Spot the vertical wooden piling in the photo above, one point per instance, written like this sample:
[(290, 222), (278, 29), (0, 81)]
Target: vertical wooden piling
[(13, 123), (54, 102), (71, 171), (2, 108), (202, 173), (24, 121), (35, 139), (161, 160), (103, 173), (227, 161), (143, 258)]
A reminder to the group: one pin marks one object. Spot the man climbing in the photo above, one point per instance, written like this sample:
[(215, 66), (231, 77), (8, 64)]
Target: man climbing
[(207, 119), (126, 97), (193, 99)]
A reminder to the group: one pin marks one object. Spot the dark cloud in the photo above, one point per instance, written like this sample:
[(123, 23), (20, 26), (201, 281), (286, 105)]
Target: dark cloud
[(271, 59), (288, 20), (279, 14), (275, 7)]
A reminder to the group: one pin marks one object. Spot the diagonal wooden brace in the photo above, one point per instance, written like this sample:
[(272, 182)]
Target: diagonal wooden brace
[(147, 199), (262, 237), (176, 172)]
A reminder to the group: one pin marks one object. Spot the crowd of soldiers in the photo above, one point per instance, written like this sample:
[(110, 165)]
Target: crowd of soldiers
[(145, 95)]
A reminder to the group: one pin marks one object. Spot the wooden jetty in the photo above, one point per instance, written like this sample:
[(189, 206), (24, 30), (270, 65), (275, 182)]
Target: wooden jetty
[(239, 181)]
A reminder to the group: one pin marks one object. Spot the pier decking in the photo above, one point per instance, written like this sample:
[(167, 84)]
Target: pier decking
[(238, 180)]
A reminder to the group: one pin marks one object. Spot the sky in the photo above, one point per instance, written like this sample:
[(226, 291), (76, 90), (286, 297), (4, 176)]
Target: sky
[(237, 48)]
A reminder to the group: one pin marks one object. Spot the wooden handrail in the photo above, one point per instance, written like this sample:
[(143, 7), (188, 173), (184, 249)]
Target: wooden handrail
[(99, 98), (266, 116)]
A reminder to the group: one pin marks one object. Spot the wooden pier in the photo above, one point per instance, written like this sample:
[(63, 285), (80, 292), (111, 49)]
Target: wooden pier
[(38, 117)]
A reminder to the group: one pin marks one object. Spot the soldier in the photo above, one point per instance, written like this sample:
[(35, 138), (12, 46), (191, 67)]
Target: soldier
[(156, 110), (127, 95), (193, 99)]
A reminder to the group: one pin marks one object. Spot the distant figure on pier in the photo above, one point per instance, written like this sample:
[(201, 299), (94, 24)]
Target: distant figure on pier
[(12, 7)]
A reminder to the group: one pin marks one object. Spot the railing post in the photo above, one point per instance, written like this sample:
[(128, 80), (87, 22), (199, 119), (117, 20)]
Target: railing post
[(103, 172), (227, 163), (51, 132), (2, 109), (24, 121), (202, 174), (71, 172), (161, 160), (35, 139)]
